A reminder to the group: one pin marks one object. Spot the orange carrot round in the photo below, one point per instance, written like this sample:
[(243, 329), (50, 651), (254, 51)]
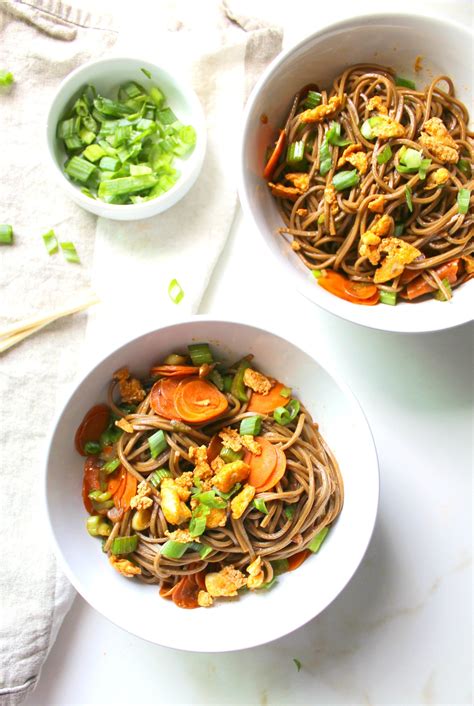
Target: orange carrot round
[(419, 286), (342, 287), (360, 290), (275, 156), (92, 426), (91, 480), (129, 491), (263, 465), (277, 473), (162, 398), (265, 404), (197, 400), (174, 371)]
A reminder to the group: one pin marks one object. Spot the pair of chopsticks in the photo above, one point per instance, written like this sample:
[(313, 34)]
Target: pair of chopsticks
[(13, 334)]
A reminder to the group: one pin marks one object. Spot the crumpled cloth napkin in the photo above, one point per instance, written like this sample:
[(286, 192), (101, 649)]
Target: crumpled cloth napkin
[(41, 41)]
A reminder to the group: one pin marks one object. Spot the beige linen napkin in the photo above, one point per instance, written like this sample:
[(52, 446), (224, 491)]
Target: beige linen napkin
[(41, 41)]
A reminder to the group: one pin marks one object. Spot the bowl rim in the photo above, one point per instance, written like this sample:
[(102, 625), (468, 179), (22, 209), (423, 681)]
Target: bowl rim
[(178, 190), (424, 325), (327, 367)]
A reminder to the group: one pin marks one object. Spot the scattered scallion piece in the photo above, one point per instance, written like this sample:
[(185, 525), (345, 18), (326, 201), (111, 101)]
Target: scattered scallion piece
[(227, 383), (269, 584), (464, 166), (232, 491), (367, 127), (316, 542), (405, 83), (345, 180), (251, 426), (325, 157), (210, 499), (100, 496), (279, 566), (175, 550), (229, 456), (146, 72), (92, 448), (464, 197), (200, 353), (384, 155), (157, 476), (259, 504), (409, 160), (297, 663), (216, 378), (290, 511), (69, 251), (333, 135), (175, 291), (204, 551), (313, 99), (197, 526), (285, 392), (237, 388), (51, 242), (439, 295), (111, 466), (79, 169), (124, 545), (388, 297), (316, 273), (6, 78), (422, 171), (6, 234), (97, 526), (408, 198), (295, 153), (157, 443), (285, 415), (399, 228)]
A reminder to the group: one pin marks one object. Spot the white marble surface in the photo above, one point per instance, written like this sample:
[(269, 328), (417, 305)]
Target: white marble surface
[(401, 631)]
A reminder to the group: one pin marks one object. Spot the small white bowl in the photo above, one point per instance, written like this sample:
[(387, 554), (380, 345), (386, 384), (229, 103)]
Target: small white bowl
[(107, 75), (388, 39), (250, 620)]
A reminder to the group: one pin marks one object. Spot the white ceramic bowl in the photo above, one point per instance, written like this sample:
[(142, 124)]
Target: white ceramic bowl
[(387, 39), (106, 75), (250, 620)]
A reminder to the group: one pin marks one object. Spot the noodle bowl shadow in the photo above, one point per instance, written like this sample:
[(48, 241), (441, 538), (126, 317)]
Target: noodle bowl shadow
[(387, 39), (250, 620)]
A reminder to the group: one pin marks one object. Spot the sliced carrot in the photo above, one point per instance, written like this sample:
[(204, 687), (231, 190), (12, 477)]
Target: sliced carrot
[(360, 290), (408, 276), (162, 398), (128, 493), (91, 480), (277, 474), (197, 400), (264, 404), (214, 448), (92, 426), (117, 496), (115, 480), (275, 156), (263, 465), (174, 371), (297, 559), (336, 284), (419, 286)]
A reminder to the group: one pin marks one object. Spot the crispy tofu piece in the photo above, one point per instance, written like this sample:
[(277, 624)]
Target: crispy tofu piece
[(124, 566), (298, 179), (437, 178), (318, 114), (302, 212), (249, 442), (376, 103), (241, 501), (217, 464), (141, 501), (387, 127), (217, 518), (131, 390), (355, 155), (225, 582), (295, 245), (230, 474), (257, 382), (399, 254), (205, 600), (198, 456), (256, 574), (370, 240), (284, 192), (174, 509), (182, 536), (377, 205), (436, 138), (330, 194), (124, 425), (231, 438)]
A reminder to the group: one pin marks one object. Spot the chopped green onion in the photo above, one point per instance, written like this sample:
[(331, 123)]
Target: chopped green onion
[(175, 550), (101, 506), (439, 295), (97, 526), (260, 505), (232, 491), (346, 179), (279, 566), (405, 82), (166, 116), (124, 545), (464, 197), (94, 152), (111, 466), (109, 164), (285, 392), (425, 163), (124, 186), (216, 378), (290, 511), (204, 551), (295, 153), (197, 526), (325, 157), (146, 72), (210, 499), (317, 540), (333, 136), (297, 663), (408, 198), (157, 443), (384, 155), (92, 448), (200, 353), (464, 166), (285, 415), (6, 234), (367, 127), (251, 426), (313, 99), (409, 160), (100, 496), (110, 435), (51, 242), (316, 273), (79, 169), (175, 291), (227, 383), (321, 220), (238, 388), (388, 297), (157, 476), (6, 78), (267, 586), (399, 228), (69, 251), (229, 456)]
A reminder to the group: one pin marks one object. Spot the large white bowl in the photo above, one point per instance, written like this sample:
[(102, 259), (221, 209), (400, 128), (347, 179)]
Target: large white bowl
[(107, 75), (251, 620), (388, 39)]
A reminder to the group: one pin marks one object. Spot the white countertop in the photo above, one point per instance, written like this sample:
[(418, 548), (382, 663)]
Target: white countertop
[(400, 633)]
